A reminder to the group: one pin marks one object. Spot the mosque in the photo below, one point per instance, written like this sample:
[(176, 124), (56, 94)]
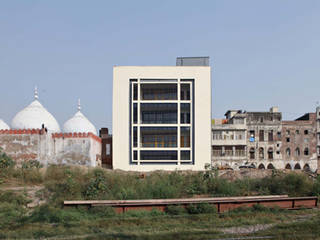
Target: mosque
[(36, 135)]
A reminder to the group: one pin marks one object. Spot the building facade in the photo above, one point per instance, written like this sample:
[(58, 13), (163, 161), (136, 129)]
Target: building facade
[(229, 141), (161, 118), (299, 143), (269, 143), (263, 139)]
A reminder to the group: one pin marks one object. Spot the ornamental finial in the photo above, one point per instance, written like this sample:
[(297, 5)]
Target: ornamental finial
[(36, 96), (79, 104)]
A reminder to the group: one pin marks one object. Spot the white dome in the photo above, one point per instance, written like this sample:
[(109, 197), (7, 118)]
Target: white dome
[(33, 116), (79, 124), (3, 125)]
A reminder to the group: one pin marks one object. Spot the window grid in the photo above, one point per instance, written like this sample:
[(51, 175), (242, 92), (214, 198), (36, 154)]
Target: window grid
[(135, 99)]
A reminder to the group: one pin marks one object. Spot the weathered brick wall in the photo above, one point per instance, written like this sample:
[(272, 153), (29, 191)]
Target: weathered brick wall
[(294, 137), (22, 145), (58, 148), (76, 149)]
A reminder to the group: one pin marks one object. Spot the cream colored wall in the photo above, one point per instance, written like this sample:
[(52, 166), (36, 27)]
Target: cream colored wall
[(120, 117)]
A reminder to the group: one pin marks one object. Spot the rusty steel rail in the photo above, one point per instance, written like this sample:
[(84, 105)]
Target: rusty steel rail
[(222, 204)]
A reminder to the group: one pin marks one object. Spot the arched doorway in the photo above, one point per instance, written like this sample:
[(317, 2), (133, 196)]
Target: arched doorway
[(270, 166), (306, 167), (261, 166), (288, 166), (297, 166)]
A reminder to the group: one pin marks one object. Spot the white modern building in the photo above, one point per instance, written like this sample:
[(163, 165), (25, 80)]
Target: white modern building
[(161, 117)]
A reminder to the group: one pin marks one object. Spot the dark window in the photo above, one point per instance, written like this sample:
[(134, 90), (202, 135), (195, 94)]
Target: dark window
[(252, 153), (288, 152), (158, 155), (270, 136), (185, 137), (279, 135), (185, 113), (261, 153), (288, 139), (261, 135), (270, 153), (306, 132), (135, 91), (185, 92), (135, 137), (297, 132), (159, 113), (135, 113), (158, 91), (135, 155), (185, 155), (158, 136), (297, 152), (306, 151)]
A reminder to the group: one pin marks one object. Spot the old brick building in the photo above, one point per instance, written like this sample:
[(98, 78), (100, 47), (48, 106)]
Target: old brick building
[(263, 140), (269, 142), (299, 143)]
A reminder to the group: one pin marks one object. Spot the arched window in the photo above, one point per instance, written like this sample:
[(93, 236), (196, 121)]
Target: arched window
[(270, 153), (288, 152), (251, 153), (261, 153), (297, 152), (306, 151), (270, 166), (288, 166), (261, 166), (306, 167), (297, 166)]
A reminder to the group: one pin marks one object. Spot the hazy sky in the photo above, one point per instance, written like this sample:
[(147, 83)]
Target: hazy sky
[(262, 53)]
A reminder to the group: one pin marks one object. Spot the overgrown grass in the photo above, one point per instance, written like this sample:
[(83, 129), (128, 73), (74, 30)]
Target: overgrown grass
[(197, 221)]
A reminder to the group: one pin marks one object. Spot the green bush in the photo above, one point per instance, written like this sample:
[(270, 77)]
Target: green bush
[(10, 214), (13, 198), (46, 213), (31, 164), (200, 208), (143, 213), (175, 210), (5, 161), (102, 211)]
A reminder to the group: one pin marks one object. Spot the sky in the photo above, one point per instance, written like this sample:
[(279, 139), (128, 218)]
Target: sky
[(262, 53)]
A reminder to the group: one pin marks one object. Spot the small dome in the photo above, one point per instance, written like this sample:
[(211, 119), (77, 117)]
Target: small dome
[(79, 123), (3, 125), (33, 116)]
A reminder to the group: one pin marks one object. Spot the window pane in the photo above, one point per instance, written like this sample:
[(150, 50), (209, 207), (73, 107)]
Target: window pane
[(185, 137), (135, 92), (185, 155), (185, 92), (159, 113), (135, 137), (158, 91), (158, 155), (185, 113), (158, 137), (135, 113)]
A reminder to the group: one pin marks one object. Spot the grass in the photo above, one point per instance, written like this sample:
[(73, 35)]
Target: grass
[(144, 225), (198, 221)]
